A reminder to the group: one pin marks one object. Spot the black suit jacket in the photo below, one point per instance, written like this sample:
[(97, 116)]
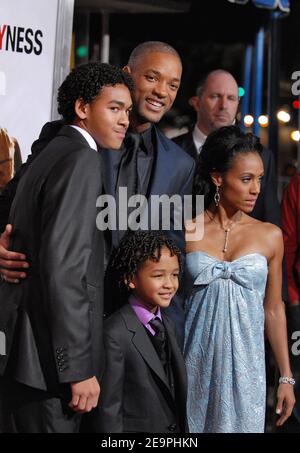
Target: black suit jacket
[(135, 393), (267, 207), (172, 173), (53, 319)]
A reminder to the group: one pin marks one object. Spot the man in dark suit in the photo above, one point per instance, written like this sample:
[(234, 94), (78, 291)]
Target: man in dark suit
[(53, 320), (154, 166), (216, 103), (151, 165)]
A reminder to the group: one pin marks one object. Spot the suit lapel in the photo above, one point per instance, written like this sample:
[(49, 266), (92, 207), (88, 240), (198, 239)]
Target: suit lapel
[(190, 147), (161, 166), (143, 343), (71, 132), (108, 173), (177, 362)]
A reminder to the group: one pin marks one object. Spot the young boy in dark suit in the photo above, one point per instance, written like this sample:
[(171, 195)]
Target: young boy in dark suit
[(144, 385)]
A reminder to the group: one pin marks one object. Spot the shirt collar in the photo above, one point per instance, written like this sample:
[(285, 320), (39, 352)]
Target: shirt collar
[(87, 136), (145, 139), (199, 138), (143, 314)]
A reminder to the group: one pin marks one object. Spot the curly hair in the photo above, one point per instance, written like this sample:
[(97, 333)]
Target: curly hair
[(134, 250), (85, 82), (217, 155)]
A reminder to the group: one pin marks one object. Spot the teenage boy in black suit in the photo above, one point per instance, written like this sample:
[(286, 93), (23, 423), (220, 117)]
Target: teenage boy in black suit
[(53, 319)]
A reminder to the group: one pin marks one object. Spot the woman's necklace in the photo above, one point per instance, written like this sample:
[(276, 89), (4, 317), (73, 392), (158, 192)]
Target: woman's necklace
[(227, 229)]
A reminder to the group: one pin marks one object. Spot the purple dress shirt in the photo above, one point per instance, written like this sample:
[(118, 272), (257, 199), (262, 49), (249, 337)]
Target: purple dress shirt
[(143, 314)]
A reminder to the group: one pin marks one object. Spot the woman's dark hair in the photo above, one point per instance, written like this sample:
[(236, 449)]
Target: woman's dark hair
[(85, 82), (134, 250), (217, 155)]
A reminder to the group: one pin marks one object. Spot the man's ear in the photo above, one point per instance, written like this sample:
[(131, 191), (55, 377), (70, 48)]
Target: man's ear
[(127, 69), (194, 102), (81, 108), (216, 178)]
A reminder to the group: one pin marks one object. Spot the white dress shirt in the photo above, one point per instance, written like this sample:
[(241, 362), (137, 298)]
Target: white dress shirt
[(199, 138), (87, 136)]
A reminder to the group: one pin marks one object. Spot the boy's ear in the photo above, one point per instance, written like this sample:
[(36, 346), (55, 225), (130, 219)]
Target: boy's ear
[(130, 284), (81, 108), (126, 69)]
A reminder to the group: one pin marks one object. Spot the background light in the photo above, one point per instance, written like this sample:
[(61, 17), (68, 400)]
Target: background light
[(263, 120), (296, 104), (283, 116), (241, 92), (82, 51), (295, 135), (248, 120)]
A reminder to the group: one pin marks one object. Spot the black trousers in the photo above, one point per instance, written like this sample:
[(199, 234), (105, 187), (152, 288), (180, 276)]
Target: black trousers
[(27, 410)]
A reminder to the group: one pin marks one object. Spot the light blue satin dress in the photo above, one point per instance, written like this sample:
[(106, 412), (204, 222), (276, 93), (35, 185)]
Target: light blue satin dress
[(224, 343)]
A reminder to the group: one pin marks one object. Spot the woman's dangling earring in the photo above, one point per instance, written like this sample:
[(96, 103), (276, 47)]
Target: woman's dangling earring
[(217, 196)]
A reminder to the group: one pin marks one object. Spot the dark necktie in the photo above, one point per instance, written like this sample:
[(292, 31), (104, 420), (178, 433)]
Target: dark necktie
[(127, 175), (159, 339)]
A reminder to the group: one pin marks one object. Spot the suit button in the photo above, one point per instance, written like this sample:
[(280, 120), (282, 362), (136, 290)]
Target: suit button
[(59, 350), (172, 427)]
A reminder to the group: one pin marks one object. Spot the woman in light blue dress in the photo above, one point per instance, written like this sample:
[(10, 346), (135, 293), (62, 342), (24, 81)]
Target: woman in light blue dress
[(234, 293)]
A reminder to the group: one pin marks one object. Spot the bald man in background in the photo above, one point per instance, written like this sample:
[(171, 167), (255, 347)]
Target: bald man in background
[(216, 104)]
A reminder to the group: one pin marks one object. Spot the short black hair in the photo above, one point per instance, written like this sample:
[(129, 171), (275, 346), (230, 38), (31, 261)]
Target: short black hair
[(134, 250), (85, 82), (149, 47), (217, 155)]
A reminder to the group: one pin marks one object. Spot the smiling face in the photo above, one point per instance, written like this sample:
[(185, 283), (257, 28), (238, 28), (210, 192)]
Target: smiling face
[(217, 105), (106, 117), (156, 77), (155, 283), (240, 185)]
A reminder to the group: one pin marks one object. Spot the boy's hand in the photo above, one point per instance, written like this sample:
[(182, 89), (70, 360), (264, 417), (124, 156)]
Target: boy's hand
[(11, 260), (85, 395)]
